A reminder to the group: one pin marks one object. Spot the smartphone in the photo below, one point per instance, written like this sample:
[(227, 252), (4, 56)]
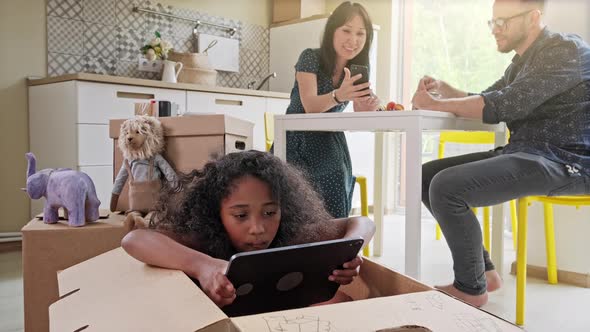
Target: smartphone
[(360, 69)]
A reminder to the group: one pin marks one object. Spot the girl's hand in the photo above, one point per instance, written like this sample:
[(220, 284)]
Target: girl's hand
[(368, 103), (215, 284), (347, 90), (346, 275)]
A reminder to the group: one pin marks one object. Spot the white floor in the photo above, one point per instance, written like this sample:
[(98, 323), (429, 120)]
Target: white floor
[(550, 308)]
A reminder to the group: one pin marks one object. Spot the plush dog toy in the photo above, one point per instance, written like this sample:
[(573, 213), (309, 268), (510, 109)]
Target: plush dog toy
[(63, 187), (141, 141)]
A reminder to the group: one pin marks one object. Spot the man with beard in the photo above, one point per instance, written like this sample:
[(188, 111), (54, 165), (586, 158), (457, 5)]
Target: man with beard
[(544, 99)]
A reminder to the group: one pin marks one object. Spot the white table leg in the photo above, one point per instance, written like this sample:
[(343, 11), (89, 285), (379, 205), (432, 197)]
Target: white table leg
[(498, 214), (497, 254), (413, 202), (280, 141), (379, 193)]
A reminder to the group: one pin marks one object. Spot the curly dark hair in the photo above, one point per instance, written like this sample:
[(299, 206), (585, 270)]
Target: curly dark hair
[(196, 210)]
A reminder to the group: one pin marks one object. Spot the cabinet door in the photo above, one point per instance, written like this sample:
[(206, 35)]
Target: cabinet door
[(247, 108), (95, 147), (99, 102), (277, 105), (102, 176)]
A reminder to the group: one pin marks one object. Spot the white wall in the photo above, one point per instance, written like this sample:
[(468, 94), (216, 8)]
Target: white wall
[(569, 16), (572, 225)]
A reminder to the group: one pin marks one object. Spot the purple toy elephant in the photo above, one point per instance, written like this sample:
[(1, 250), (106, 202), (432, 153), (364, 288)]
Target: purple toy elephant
[(63, 187)]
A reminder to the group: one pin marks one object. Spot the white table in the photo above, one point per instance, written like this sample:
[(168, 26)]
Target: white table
[(413, 123)]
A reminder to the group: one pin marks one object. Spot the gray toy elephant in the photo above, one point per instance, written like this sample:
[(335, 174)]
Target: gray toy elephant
[(63, 187)]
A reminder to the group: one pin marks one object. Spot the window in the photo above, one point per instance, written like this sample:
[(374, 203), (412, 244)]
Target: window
[(448, 40)]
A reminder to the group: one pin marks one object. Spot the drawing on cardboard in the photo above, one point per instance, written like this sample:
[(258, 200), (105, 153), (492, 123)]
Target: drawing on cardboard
[(435, 300), (413, 304), (297, 324), (472, 323)]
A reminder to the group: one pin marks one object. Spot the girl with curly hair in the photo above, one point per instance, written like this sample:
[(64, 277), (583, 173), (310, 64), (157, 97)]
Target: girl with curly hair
[(241, 202)]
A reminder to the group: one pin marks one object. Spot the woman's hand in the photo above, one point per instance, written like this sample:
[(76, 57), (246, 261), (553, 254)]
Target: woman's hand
[(347, 90), (349, 271), (368, 103), (215, 284)]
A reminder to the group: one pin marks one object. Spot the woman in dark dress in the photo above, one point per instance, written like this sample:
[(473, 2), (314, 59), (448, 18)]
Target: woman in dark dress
[(323, 84)]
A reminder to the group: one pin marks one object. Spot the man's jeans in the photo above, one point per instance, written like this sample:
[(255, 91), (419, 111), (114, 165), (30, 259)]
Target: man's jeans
[(452, 186)]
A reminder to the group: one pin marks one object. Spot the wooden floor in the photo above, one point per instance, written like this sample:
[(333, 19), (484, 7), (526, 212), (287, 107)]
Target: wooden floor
[(11, 289)]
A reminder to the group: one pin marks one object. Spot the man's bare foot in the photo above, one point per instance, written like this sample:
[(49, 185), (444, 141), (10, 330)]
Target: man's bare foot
[(475, 300), (494, 280)]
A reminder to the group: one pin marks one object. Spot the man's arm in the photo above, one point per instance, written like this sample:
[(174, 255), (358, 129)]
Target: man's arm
[(467, 107)]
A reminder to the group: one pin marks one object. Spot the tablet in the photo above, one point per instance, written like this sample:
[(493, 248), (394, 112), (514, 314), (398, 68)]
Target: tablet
[(287, 277)]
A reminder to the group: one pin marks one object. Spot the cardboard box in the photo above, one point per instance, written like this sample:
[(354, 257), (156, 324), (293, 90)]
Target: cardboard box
[(51, 248), (190, 142), (127, 295), (285, 10)]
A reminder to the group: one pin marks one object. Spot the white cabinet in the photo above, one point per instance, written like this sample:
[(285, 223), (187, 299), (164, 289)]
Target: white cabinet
[(68, 126), (69, 121), (249, 108)]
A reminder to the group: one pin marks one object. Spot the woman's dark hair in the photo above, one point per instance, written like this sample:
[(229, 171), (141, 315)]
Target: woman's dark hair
[(342, 14), (196, 210)]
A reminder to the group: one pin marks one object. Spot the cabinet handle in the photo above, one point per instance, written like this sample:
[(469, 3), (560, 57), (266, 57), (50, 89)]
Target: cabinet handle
[(134, 95), (240, 145), (228, 102)]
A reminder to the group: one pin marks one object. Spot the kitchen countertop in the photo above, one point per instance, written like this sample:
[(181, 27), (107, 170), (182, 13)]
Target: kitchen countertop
[(154, 83)]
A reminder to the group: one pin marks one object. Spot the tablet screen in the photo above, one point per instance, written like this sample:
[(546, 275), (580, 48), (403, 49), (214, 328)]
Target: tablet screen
[(287, 277)]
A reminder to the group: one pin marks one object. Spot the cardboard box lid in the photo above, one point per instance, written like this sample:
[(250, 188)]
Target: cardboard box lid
[(118, 293), (431, 309), (195, 125), (107, 220), (115, 292)]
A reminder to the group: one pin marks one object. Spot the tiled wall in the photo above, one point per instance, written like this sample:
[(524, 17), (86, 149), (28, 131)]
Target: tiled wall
[(104, 36)]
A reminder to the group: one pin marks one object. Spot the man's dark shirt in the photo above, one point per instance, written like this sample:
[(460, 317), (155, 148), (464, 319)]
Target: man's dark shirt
[(544, 99)]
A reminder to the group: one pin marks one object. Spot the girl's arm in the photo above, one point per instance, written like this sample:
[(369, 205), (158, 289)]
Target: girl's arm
[(167, 250), (358, 226)]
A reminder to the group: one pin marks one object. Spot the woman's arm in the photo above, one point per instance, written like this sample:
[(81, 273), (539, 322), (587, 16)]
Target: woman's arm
[(314, 103), (166, 250), (308, 87)]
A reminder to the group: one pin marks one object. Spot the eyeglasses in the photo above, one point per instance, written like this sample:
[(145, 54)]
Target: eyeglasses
[(500, 22)]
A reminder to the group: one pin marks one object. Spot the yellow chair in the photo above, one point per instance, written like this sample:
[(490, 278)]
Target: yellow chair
[(269, 130), (521, 252), (475, 137)]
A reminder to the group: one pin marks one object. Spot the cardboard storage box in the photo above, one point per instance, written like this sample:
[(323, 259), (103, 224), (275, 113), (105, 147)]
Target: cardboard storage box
[(285, 10), (190, 142), (115, 292), (51, 248)]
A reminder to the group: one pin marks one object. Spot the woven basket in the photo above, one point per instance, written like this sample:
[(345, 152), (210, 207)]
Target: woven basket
[(191, 60), (198, 76)]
